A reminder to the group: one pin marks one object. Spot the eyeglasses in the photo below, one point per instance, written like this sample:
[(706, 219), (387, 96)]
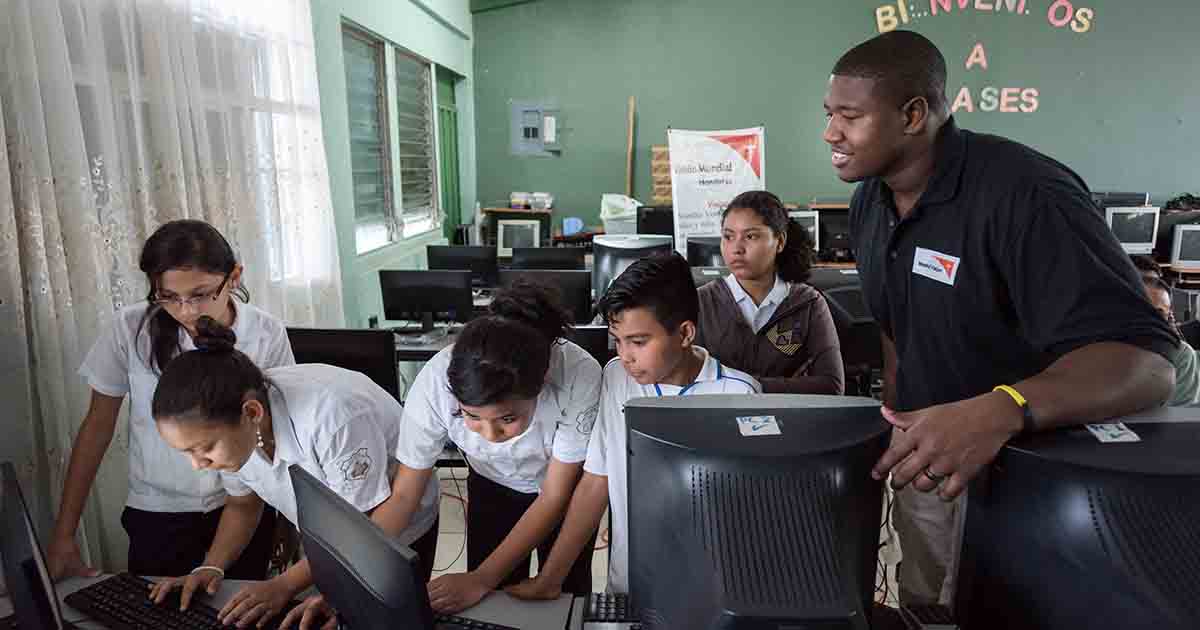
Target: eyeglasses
[(195, 300)]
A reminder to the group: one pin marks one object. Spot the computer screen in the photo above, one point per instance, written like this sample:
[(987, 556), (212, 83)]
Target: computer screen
[(705, 251), (809, 220), (1165, 240), (549, 258), (1135, 228), (656, 220), (1185, 253), (425, 296), (834, 229), (479, 260), (517, 233), (613, 253), (34, 601), (574, 287), (369, 351), (703, 275), (371, 579), (1087, 528), (754, 511)]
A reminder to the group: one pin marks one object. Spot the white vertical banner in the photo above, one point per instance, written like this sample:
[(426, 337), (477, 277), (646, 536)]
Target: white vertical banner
[(709, 169)]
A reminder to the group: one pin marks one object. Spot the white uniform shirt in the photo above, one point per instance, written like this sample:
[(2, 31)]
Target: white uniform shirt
[(342, 428), (162, 479), (758, 316), (608, 451), (562, 422)]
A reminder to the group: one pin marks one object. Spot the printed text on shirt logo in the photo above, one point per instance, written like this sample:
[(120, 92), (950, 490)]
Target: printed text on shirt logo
[(935, 265)]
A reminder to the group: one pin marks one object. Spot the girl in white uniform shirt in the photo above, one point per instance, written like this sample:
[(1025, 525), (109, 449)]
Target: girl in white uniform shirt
[(218, 409), (172, 511), (519, 401)]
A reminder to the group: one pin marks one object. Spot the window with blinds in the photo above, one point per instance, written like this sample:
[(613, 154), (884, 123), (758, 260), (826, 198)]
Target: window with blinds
[(415, 153)]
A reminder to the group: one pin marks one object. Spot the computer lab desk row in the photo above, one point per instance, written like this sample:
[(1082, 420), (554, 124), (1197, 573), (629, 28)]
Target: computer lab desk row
[(497, 608)]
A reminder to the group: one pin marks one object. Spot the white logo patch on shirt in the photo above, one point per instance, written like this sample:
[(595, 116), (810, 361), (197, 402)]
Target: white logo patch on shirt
[(935, 265), (356, 465)]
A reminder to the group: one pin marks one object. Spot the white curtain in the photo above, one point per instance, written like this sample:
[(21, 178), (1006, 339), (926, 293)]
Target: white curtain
[(118, 116)]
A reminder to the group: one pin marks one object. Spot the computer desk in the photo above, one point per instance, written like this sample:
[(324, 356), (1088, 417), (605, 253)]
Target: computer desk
[(498, 607)]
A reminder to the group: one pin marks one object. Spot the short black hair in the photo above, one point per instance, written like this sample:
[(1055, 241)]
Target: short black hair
[(662, 283), (905, 64)]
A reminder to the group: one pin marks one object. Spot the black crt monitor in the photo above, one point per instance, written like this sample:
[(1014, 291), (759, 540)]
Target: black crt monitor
[(754, 511), (834, 235), (613, 253), (1066, 531), (703, 275), (1165, 239), (425, 296), (371, 579), (705, 251), (1115, 199), (480, 261), (549, 258), (35, 603), (656, 220), (574, 288), (371, 351), (858, 332)]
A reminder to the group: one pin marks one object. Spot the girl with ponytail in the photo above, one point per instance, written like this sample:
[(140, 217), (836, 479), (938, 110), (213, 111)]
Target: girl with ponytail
[(763, 319)]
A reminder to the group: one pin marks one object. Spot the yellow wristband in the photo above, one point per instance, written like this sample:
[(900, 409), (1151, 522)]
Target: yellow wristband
[(1026, 412)]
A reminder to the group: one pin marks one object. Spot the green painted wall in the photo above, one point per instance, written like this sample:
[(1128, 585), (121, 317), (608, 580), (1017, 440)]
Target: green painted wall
[(439, 30), (1120, 104)]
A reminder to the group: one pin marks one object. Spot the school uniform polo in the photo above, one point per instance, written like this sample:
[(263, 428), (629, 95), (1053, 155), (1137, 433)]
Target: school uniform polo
[(1003, 266), (609, 449), (758, 315), (340, 427), (162, 479), (561, 426)]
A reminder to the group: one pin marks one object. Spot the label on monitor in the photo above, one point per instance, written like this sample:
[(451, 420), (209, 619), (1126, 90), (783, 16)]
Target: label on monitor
[(1117, 432), (751, 426)]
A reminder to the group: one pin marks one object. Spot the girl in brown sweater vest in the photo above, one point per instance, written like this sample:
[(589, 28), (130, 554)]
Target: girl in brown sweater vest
[(762, 318)]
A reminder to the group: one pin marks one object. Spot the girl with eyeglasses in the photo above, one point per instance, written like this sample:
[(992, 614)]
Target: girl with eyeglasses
[(172, 511)]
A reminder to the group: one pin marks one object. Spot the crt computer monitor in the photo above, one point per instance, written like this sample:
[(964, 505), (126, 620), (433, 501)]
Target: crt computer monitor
[(1165, 239), (1066, 531), (834, 231), (753, 511), (1111, 199), (656, 220), (703, 275), (574, 287), (371, 351), (513, 233), (1135, 228), (479, 260), (35, 603), (811, 221), (371, 579), (425, 296), (613, 253), (705, 251), (549, 258), (1185, 248)]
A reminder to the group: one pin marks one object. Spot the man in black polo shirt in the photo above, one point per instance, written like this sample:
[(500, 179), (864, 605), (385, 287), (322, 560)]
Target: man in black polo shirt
[(1005, 302)]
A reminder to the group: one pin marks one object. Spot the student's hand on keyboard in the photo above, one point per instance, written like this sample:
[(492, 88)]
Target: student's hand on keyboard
[(310, 614), (534, 588), (454, 592), (205, 581), (257, 603)]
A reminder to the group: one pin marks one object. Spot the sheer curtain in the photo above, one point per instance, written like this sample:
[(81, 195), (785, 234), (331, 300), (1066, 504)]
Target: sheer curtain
[(117, 116)]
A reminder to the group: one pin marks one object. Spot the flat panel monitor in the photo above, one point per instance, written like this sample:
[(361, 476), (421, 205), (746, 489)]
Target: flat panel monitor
[(754, 511), (34, 600), (512, 233), (549, 258), (613, 253), (811, 221), (705, 251), (370, 351), (656, 220), (426, 296), (1135, 228), (1185, 248), (1066, 530), (478, 259), (573, 287)]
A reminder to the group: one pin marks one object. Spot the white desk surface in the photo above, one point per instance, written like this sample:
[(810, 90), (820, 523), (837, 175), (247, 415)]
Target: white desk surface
[(498, 607)]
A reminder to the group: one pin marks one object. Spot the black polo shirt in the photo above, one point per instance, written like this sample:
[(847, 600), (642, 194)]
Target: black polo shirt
[(1003, 266)]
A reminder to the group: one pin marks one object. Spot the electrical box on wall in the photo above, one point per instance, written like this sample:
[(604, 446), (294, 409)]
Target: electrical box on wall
[(536, 129)]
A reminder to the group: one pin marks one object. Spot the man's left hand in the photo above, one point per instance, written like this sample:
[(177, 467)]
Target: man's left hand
[(943, 447)]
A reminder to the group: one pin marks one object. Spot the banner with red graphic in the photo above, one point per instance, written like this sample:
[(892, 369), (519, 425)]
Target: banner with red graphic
[(709, 169)]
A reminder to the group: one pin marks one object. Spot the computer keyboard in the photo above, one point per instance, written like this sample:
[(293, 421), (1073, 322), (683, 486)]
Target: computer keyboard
[(122, 602), (608, 608), (450, 622)]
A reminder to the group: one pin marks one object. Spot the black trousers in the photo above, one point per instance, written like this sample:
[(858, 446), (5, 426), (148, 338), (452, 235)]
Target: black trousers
[(493, 511), (173, 543), (426, 548)]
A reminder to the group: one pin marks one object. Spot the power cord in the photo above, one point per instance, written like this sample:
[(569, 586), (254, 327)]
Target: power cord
[(465, 507)]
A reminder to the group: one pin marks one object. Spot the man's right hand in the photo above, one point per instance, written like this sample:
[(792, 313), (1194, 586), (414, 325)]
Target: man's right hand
[(64, 561), (535, 588)]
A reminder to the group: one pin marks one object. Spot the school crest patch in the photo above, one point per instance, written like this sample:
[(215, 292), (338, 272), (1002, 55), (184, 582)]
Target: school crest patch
[(356, 465), (785, 338)]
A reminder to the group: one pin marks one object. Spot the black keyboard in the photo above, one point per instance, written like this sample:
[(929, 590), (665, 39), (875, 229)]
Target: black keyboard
[(450, 622), (608, 608), (122, 602)]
